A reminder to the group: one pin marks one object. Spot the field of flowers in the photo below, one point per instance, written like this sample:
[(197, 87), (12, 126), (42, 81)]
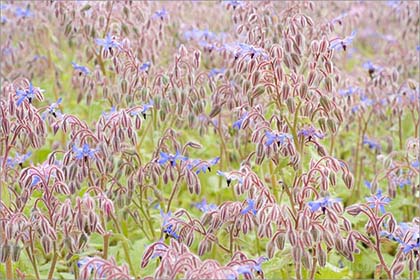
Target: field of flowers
[(209, 140)]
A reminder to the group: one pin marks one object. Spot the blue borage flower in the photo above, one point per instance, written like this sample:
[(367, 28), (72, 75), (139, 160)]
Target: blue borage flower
[(233, 3), (170, 231), (23, 13), (84, 153), (339, 44), (17, 160), (107, 43), (279, 138), (310, 132), (108, 114), (415, 164), (145, 66), (163, 13), (368, 65), (322, 203), (203, 166), (238, 124), (164, 158), (204, 207), (146, 107), (168, 228), (230, 177), (52, 109), (197, 34), (373, 145), (250, 207), (25, 94), (97, 266), (216, 72), (348, 92), (378, 201), (82, 69)]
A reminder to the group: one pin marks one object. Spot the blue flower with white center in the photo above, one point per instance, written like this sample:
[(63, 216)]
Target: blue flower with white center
[(250, 207), (230, 177), (322, 203), (238, 124), (82, 69), (35, 180), (373, 145), (143, 111), (111, 112), (378, 201), (164, 158), (348, 92), (166, 217), (145, 66), (343, 43), (97, 266), (23, 13), (84, 153), (161, 14), (415, 164), (25, 94), (279, 138), (204, 207), (108, 43)]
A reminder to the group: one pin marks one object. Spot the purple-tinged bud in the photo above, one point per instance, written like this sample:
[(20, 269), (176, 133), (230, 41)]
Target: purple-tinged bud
[(411, 265), (271, 249), (5, 251), (16, 249), (347, 224), (315, 234), (321, 256), (307, 239), (328, 83), (297, 254), (351, 243), (307, 260), (339, 243), (354, 210), (311, 77), (328, 66), (46, 243), (295, 59), (328, 238), (291, 236), (398, 269), (348, 180), (322, 123), (315, 47), (391, 224), (290, 102), (280, 241), (418, 264)]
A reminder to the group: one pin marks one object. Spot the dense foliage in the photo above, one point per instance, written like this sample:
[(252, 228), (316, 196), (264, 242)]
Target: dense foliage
[(209, 140)]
